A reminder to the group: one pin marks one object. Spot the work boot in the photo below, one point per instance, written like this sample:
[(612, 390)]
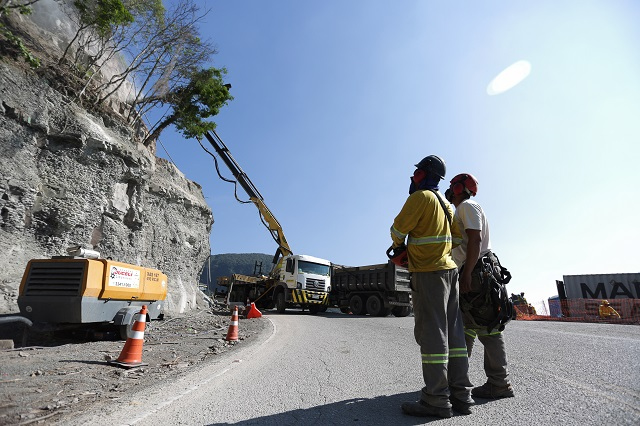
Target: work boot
[(460, 406), (489, 391), (422, 409)]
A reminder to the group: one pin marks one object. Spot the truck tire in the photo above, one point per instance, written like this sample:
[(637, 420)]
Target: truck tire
[(374, 305), (356, 305), (281, 303), (125, 329), (401, 311)]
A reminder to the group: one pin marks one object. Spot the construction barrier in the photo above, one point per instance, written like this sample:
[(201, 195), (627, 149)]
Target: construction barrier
[(582, 310)]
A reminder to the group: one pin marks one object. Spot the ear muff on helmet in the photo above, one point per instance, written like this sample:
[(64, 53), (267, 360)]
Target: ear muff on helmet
[(418, 176), (457, 188), (464, 183)]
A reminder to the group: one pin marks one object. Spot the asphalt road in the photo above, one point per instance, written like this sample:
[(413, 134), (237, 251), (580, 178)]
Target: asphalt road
[(337, 369)]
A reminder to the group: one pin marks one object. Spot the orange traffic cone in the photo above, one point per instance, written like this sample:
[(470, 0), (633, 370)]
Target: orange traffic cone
[(232, 334), (131, 355), (253, 312)]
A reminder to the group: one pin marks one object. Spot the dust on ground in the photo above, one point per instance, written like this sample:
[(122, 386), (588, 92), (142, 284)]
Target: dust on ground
[(51, 379)]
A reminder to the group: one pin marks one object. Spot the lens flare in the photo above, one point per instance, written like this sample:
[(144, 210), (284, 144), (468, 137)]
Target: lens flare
[(509, 77)]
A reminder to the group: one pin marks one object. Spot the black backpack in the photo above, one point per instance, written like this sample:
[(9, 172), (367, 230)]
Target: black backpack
[(491, 307)]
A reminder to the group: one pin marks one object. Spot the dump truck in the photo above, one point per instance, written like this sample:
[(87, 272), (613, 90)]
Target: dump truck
[(295, 280), (82, 289), (377, 290)]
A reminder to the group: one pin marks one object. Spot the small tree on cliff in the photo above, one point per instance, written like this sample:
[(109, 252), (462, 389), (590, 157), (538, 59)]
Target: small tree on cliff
[(97, 24), (23, 7), (161, 57), (193, 103)]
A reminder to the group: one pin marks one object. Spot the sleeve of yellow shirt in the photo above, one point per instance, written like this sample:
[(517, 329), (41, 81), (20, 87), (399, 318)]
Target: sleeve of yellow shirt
[(456, 235), (408, 218)]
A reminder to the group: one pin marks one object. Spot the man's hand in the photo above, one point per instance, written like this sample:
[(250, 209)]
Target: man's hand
[(465, 283), (473, 254)]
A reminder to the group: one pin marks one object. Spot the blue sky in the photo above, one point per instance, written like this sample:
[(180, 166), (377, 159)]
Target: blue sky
[(335, 101)]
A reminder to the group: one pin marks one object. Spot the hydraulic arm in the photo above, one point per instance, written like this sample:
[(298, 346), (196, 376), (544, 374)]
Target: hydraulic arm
[(254, 195)]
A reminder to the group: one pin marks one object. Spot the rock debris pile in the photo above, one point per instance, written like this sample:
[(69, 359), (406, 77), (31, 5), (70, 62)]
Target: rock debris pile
[(51, 379)]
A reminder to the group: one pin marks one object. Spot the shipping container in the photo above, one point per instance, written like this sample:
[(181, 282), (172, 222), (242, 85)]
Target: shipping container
[(582, 295), (602, 286)]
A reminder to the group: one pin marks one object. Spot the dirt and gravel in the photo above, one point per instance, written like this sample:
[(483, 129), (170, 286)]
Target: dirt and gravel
[(55, 377)]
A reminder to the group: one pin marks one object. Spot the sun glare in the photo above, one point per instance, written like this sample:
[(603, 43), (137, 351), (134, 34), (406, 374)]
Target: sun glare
[(509, 77)]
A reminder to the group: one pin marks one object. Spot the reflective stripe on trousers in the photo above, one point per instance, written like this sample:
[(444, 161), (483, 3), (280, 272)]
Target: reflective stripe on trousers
[(444, 358)]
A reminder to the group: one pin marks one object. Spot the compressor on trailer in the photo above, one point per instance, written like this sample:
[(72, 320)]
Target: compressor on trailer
[(82, 289)]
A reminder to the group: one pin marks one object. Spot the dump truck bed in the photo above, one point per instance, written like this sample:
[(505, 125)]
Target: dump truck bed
[(381, 277)]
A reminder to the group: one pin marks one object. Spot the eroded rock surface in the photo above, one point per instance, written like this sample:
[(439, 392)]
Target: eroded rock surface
[(71, 178)]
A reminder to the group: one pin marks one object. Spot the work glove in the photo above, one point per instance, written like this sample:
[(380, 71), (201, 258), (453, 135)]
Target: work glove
[(399, 255)]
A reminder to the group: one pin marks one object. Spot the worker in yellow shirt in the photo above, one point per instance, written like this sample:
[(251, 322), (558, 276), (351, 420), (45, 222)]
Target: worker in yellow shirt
[(606, 311), (426, 224)]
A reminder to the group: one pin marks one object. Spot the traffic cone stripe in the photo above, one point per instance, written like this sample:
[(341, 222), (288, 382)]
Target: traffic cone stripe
[(136, 335)]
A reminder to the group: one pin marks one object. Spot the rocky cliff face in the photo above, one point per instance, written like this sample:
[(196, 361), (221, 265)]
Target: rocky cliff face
[(68, 177)]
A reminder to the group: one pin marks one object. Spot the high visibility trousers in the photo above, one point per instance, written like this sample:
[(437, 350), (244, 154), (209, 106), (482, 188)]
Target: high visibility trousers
[(495, 354), (439, 332)]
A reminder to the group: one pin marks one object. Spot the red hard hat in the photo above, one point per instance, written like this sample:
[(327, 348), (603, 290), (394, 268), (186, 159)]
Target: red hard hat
[(464, 182)]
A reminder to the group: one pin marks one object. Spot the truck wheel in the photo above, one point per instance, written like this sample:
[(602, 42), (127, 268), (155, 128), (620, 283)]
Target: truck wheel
[(123, 332), (125, 329), (281, 303), (374, 305), (356, 305), (401, 311)]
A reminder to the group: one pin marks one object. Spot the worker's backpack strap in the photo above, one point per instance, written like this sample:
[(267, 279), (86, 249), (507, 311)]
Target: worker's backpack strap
[(444, 207), (504, 276)]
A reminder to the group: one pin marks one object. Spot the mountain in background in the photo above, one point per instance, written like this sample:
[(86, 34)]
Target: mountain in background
[(220, 265)]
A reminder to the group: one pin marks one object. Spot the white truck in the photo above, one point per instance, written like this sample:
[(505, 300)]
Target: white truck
[(296, 281)]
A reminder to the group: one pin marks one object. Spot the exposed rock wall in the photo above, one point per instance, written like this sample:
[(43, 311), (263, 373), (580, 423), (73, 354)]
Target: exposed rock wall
[(67, 177)]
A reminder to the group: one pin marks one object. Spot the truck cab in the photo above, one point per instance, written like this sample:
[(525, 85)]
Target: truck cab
[(302, 280)]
